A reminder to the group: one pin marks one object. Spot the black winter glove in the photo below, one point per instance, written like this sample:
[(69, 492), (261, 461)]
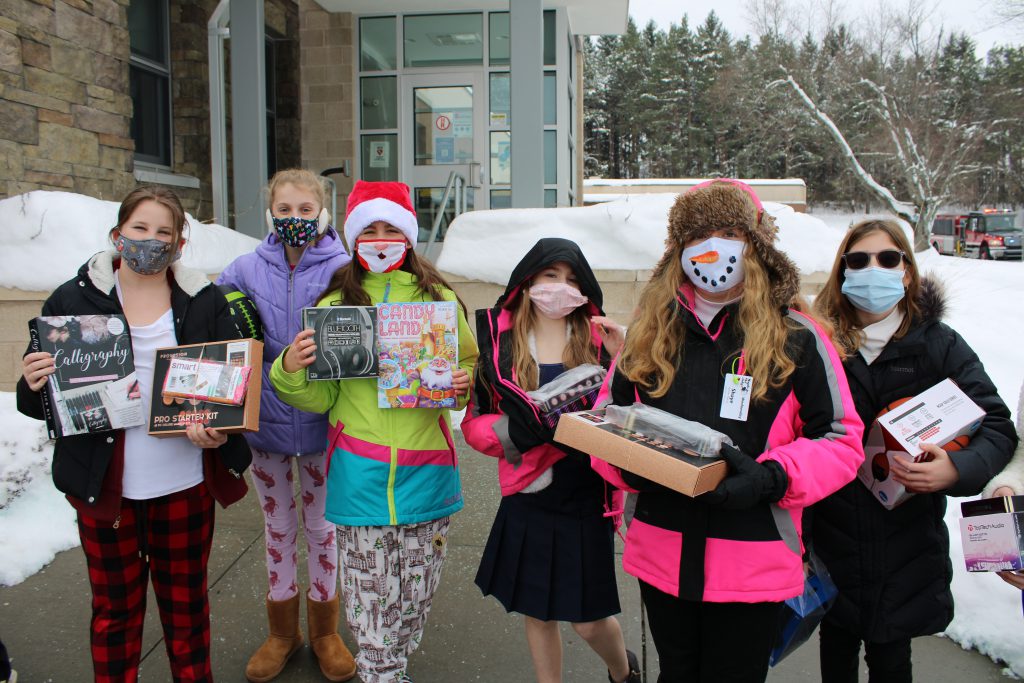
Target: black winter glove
[(748, 483), (636, 482)]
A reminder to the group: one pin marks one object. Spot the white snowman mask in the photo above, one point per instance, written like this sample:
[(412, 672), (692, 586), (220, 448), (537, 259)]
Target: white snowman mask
[(714, 265)]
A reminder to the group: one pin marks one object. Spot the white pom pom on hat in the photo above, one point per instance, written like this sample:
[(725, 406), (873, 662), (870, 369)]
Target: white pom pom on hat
[(370, 202)]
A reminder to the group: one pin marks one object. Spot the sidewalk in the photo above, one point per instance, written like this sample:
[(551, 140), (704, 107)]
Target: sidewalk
[(44, 621)]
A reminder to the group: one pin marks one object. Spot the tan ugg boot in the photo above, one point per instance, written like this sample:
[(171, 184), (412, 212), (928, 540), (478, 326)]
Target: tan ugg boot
[(336, 662), (284, 639)]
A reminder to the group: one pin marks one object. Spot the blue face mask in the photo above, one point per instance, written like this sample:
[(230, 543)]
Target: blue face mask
[(874, 290)]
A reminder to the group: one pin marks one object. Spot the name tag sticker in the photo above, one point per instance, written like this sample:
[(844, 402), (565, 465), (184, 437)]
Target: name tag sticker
[(736, 397)]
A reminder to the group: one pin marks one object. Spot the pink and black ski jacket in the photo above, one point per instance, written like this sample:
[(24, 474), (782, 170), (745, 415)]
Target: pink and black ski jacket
[(500, 419), (696, 551)]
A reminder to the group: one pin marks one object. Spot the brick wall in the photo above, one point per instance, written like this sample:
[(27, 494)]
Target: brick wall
[(64, 107)]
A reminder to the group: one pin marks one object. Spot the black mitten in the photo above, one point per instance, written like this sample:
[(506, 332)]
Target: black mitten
[(748, 483)]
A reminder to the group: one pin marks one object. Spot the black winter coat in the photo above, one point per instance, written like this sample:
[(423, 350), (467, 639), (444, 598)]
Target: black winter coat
[(892, 567), (81, 462)]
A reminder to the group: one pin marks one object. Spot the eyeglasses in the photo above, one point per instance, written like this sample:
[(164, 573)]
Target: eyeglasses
[(887, 258)]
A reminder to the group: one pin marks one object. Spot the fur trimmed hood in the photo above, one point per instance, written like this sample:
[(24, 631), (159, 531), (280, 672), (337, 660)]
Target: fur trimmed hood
[(932, 299), (723, 203), (100, 270)]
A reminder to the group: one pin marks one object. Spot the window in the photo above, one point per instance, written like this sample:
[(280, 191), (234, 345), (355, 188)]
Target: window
[(150, 81), (500, 38), (270, 59), (377, 44), (443, 39)]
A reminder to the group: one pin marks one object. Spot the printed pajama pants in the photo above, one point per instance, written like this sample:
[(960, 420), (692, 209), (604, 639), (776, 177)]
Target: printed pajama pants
[(273, 478), (389, 575), (166, 539)]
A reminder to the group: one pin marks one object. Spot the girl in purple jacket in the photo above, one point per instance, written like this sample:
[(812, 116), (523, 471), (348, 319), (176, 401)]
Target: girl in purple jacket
[(287, 272)]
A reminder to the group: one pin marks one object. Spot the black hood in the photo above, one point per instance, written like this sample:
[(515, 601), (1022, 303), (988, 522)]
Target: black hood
[(546, 252)]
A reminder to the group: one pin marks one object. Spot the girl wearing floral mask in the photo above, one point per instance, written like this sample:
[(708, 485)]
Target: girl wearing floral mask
[(393, 481), (720, 313), (892, 566), (286, 273), (550, 555), (145, 505)]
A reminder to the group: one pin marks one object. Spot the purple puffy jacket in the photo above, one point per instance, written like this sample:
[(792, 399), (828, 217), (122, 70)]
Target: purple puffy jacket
[(280, 294)]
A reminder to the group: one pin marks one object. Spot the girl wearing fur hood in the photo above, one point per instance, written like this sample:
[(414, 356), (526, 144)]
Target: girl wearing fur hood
[(892, 567), (714, 570)]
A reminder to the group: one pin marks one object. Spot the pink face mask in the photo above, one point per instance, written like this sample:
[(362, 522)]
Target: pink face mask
[(556, 300), (381, 256)]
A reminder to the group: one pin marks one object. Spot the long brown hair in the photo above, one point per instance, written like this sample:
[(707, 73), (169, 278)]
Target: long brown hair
[(152, 193), (349, 279), (833, 306), (654, 345), (578, 350)]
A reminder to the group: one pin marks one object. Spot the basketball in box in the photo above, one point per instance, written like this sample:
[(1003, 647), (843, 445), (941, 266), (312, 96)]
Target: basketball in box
[(992, 534), (689, 474), (942, 415), (172, 412)]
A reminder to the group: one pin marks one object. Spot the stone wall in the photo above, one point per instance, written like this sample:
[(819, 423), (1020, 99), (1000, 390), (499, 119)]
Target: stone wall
[(327, 92), (64, 103)]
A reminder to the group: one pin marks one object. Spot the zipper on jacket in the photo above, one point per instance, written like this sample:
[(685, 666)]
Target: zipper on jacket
[(291, 313), (387, 290)]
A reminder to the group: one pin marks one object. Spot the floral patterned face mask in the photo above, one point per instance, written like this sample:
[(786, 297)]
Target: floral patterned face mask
[(147, 257)]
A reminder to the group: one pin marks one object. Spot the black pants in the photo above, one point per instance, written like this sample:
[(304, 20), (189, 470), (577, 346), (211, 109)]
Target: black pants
[(5, 663), (711, 641), (840, 657)]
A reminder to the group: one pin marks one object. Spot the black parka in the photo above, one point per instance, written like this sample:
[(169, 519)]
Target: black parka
[(81, 462), (892, 567)]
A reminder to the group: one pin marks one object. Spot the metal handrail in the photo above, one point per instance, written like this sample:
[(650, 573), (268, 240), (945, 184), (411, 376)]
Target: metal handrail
[(457, 183)]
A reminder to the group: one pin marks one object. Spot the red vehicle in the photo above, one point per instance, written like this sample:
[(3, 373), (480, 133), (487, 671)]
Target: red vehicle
[(987, 234)]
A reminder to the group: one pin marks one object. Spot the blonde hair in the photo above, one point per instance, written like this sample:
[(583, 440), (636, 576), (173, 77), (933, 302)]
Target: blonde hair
[(299, 177), (654, 347), (832, 305), (579, 349)]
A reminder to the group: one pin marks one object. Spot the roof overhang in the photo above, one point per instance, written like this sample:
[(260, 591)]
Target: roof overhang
[(586, 17)]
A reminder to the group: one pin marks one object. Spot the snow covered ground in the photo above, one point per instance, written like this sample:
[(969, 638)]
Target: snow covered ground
[(55, 234)]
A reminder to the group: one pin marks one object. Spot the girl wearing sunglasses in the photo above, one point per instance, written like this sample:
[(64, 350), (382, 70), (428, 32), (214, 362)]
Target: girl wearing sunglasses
[(892, 567)]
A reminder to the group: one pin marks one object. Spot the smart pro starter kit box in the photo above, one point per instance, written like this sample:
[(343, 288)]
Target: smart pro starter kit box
[(992, 534)]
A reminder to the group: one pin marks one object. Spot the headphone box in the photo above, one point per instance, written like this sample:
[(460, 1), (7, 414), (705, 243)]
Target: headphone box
[(992, 534), (346, 342)]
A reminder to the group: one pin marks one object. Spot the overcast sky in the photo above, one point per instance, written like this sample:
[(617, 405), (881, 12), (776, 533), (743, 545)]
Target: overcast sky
[(977, 18)]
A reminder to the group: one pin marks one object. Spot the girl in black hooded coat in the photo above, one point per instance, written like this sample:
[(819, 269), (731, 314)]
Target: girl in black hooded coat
[(892, 567), (550, 554)]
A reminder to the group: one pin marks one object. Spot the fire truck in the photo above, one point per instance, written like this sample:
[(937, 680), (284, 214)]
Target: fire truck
[(986, 234)]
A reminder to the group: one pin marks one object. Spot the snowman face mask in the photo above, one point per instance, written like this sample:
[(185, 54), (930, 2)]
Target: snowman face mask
[(714, 265)]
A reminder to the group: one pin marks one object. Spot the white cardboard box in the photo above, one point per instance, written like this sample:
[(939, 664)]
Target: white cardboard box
[(938, 415)]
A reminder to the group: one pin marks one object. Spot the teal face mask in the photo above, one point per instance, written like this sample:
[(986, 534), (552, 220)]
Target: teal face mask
[(874, 290)]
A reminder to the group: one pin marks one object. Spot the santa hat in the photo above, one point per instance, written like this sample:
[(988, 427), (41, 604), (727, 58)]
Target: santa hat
[(370, 202), (725, 202)]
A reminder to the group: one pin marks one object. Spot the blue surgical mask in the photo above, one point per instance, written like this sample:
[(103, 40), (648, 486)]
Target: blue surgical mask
[(874, 290)]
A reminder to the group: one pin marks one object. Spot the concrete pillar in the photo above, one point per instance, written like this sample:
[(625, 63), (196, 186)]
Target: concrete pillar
[(526, 21), (248, 115)]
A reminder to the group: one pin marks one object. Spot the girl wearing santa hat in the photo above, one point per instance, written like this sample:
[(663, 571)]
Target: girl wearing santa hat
[(393, 476)]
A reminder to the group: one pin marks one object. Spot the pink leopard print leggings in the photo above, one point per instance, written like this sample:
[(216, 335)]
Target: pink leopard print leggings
[(272, 476)]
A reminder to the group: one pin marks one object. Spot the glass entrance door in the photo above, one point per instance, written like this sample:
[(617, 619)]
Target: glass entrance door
[(445, 115)]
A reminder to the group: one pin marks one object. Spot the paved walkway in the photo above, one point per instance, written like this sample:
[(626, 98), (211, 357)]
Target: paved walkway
[(44, 620)]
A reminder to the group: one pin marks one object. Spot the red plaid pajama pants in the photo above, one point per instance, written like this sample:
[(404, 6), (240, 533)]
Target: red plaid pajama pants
[(167, 539)]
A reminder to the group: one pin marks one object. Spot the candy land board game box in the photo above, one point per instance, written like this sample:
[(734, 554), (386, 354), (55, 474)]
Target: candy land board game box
[(418, 347)]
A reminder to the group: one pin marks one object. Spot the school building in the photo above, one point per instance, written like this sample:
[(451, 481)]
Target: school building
[(211, 97)]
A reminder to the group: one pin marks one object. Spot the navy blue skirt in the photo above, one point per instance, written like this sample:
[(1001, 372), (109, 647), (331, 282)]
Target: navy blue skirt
[(551, 554)]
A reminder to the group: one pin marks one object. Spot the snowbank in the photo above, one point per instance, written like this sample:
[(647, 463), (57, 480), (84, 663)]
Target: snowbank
[(46, 236), (625, 234)]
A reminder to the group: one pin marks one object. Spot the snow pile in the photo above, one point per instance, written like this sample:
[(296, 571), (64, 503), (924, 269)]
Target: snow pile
[(47, 236), (625, 234), (35, 521)]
